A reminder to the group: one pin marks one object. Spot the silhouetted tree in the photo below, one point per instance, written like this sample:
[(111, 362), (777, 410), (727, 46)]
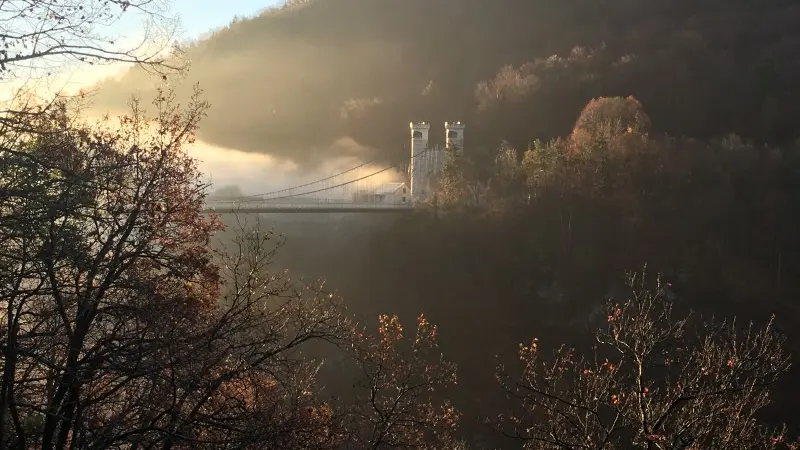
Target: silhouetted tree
[(41, 33), (42, 38)]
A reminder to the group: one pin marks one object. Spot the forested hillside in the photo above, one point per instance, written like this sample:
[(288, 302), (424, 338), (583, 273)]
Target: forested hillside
[(292, 80)]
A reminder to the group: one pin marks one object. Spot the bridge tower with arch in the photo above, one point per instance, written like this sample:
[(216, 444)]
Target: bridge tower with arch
[(417, 170), (454, 136)]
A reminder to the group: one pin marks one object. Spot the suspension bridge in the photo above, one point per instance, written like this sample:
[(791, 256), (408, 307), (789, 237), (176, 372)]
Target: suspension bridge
[(365, 188)]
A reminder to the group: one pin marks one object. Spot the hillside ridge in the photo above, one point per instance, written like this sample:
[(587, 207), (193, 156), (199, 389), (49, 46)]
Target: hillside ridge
[(291, 81)]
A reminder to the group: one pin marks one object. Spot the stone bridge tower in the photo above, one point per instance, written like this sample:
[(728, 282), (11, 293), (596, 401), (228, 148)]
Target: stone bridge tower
[(454, 136), (417, 169)]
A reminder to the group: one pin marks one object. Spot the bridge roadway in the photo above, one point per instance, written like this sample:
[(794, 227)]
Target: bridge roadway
[(229, 207)]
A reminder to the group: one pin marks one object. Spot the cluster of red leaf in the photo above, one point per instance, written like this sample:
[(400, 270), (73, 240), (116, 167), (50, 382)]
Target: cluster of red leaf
[(653, 382)]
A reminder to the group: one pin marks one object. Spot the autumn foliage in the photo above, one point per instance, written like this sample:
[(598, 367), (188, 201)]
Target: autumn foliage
[(126, 324), (402, 404), (605, 120), (655, 380)]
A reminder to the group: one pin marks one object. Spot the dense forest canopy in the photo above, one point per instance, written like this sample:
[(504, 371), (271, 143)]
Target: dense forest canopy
[(292, 80)]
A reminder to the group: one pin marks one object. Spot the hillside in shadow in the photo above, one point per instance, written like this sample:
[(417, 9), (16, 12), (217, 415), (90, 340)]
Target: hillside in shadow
[(292, 81)]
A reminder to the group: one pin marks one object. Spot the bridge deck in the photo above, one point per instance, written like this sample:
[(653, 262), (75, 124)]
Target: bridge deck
[(323, 207)]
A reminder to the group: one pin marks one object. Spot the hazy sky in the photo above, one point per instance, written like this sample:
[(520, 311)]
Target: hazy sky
[(223, 166), (252, 172)]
